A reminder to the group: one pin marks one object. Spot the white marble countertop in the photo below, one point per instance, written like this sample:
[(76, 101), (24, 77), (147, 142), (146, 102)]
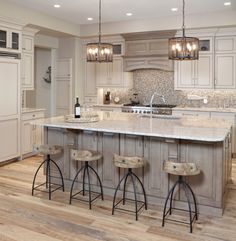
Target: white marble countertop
[(189, 128), (26, 110), (207, 109)]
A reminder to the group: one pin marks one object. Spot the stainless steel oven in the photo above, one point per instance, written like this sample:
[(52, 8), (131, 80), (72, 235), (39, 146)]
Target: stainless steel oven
[(162, 109)]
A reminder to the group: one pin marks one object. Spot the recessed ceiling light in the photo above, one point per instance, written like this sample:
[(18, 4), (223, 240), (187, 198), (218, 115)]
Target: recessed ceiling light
[(227, 3), (129, 14), (57, 5), (89, 19), (174, 9)]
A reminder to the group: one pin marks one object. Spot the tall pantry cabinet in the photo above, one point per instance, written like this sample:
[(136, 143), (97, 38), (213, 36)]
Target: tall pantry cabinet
[(10, 90)]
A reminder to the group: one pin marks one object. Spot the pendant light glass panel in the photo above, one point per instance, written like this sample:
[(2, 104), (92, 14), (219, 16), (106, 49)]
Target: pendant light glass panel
[(99, 52), (183, 48)]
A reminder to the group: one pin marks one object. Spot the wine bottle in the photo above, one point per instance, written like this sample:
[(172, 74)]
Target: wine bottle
[(77, 108)]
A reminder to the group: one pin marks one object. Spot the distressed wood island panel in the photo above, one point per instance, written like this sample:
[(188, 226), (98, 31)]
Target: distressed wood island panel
[(213, 158)]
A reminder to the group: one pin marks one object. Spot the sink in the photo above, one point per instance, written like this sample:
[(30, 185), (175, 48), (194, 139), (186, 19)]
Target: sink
[(167, 117)]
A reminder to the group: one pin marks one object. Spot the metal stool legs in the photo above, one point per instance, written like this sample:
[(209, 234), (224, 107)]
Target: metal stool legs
[(48, 182), (187, 190), (133, 176), (85, 170)]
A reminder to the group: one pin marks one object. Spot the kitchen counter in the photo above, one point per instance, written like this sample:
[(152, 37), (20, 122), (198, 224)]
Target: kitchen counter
[(201, 140), (188, 128), (26, 110)]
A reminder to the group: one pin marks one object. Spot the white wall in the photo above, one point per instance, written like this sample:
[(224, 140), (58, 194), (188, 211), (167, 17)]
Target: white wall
[(29, 16), (215, 19), (45, 41), (42, 89)]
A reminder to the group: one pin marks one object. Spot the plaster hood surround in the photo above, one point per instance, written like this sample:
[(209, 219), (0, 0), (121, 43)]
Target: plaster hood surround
[(148, 50)]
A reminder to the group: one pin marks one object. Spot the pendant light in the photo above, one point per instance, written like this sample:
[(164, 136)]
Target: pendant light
[(99, 52), (183, 48)]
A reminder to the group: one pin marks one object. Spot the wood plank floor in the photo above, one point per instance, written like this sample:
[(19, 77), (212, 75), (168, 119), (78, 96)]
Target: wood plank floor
[(27, 218)]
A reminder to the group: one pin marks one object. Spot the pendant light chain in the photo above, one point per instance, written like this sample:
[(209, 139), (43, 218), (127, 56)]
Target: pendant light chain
[(183, 18), (100, 22)]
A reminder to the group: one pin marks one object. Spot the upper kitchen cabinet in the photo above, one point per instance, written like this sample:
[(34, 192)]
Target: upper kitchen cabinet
[(225, 44), (216, 67), (112, 74), (10, 40), (27, 61), (194, 74), (225, 71), (225, 62)]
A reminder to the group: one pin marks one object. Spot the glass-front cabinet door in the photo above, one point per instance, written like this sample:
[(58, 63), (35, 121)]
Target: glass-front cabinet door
[(14, 40), (3, 38), (10, 40)]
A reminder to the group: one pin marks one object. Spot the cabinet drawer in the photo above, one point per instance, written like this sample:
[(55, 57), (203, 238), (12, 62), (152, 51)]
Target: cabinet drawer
[(90, 99), (32, 115), (191, 113)]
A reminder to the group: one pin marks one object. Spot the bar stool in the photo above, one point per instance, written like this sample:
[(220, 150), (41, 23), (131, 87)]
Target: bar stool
[(86, 156), (181, 170), (48, 151), (129, 162)]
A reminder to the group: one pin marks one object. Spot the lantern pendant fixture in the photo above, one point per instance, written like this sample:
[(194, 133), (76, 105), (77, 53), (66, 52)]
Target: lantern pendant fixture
[(183, 48), (99, 52)]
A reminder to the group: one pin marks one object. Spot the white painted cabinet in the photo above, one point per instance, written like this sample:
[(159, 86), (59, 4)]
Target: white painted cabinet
[(112, 74), (27, 71), (194, 74), (191, 113), (112, 108), (64, 87), (90, 88), (10, 40), (27, 60), (225, 71), (9, 108), (225, 44), (31, 134)]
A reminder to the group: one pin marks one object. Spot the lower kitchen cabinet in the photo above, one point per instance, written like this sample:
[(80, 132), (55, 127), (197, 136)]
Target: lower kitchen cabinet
[(108, 144), (155, 180), (113, 108), (30, 134)]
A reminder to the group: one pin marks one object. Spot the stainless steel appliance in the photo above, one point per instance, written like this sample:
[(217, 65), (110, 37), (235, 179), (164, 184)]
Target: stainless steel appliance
[(160, 109)]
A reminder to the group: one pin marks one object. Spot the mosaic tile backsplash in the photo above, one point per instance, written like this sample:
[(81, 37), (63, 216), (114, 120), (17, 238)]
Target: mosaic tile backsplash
[(147, 81)]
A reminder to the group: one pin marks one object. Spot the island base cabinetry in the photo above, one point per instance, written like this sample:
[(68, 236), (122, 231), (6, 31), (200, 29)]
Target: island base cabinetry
[(212, 158)]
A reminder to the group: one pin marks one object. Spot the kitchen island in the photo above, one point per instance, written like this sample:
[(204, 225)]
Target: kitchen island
[(182, 139)]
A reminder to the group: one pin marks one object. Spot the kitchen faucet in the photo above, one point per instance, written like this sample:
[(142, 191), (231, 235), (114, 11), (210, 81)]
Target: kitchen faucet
[(153, 95)]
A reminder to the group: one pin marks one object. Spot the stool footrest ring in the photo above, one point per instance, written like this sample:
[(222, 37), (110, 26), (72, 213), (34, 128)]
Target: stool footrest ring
[(127, 210)]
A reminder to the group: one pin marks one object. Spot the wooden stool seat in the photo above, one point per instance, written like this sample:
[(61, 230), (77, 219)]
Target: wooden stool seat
[(85, 155), (128, 161), (47, 149), (180, 168)]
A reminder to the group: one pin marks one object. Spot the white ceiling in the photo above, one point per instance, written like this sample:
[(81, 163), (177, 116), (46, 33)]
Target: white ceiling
[(77, 11)]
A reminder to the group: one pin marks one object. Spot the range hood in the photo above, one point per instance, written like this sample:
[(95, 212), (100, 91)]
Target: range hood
[(147, 50)]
